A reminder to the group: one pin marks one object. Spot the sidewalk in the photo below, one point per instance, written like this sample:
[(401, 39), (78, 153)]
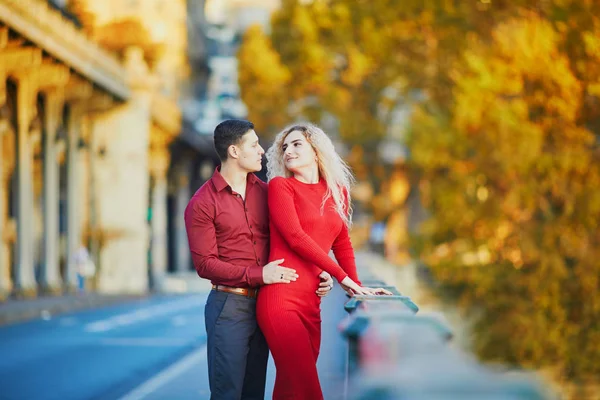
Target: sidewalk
[(369, 264), (20, 310), (14, 310)]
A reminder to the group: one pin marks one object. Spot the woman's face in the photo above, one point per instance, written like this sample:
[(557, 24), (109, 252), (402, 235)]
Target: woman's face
[(297, 152)]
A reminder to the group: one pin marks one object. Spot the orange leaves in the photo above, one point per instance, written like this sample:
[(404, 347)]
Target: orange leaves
[(259, 61), (358, 67), (523, 113), (264, 81)]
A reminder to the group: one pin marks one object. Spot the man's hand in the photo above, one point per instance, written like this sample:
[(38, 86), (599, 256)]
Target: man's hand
[(326, 284), (273, 272)]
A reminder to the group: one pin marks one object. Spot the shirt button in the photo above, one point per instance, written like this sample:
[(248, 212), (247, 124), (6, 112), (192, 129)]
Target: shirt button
[(255, 242)]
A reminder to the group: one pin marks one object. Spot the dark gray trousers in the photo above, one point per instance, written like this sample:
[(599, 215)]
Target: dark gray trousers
[(236, 348)]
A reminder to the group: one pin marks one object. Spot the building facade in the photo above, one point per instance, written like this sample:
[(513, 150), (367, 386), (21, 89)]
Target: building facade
[(88, 117)]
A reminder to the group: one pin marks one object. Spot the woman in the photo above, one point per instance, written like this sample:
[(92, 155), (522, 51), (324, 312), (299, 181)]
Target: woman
[(309, 209)]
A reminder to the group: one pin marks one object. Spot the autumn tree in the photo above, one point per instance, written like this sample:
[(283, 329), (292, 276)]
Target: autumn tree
[(511, 175), (504, 98), (266, 81), (360, 63)]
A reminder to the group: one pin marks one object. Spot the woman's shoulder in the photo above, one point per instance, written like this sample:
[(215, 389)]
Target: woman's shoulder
[(280, 184), (279, 181)]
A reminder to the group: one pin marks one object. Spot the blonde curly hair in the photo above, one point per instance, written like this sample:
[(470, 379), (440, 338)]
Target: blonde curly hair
[(332, 168)]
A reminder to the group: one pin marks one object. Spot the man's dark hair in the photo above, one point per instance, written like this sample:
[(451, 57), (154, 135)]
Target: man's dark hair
[(230, 132)]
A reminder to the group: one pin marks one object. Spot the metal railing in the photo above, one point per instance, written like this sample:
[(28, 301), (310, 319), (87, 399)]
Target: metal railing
[(395, 352)]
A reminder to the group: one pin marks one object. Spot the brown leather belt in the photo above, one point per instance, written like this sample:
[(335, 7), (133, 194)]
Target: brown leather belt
[(248, 292)]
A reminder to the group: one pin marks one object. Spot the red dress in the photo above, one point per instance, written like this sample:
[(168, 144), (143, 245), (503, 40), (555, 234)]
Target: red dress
[(289, 315)]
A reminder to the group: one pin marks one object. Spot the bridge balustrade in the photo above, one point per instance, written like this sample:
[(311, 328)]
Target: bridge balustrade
[(396, 352)]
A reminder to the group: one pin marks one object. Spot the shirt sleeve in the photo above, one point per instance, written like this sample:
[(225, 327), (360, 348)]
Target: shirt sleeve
[(284, 217), (202, 239)]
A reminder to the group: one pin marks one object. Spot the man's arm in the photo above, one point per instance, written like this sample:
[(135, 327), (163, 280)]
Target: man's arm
[(202, 239)]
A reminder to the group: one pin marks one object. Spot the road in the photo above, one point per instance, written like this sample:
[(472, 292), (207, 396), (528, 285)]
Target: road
[(145, 349)]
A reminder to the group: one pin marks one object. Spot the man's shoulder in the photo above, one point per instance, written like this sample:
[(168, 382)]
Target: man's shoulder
[(256, 181), (205, 195), (262, 185)]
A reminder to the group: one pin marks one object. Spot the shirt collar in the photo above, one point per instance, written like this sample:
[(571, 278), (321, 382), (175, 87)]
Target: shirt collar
[(220, 183)]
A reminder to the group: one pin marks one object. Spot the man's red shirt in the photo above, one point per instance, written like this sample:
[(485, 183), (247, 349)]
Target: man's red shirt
[(229, 237)]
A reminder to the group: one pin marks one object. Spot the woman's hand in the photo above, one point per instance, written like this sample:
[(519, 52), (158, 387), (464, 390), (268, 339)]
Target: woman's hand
[(353, 288), (376, 291)]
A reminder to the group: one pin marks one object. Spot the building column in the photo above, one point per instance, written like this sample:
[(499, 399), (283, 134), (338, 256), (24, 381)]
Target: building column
[(73, 189), (159, 164), (5, 280), (182, 197), (24, 277), (78, 102), (17, 63), (50, 279), (123, 184)]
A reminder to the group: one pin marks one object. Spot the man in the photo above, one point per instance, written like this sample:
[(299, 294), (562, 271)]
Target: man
[(227, 223)]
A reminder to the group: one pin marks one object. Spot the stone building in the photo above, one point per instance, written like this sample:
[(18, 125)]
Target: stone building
[(89, 114)]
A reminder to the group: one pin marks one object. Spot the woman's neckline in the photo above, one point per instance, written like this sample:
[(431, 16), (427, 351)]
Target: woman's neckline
[(307, 184)]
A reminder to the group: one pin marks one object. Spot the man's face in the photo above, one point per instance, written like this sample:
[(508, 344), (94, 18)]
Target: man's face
[(250, 152)]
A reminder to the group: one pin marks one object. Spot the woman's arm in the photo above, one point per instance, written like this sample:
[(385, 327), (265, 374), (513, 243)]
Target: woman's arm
[(344, 254), (282, 213)]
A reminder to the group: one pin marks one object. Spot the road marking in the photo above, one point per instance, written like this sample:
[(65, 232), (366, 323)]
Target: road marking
[(154, 383), (142, 315)]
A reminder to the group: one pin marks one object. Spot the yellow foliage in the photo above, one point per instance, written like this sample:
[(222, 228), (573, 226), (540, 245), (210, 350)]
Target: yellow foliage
[(503, 140), (516, 118), (264, 81), (358, 67)]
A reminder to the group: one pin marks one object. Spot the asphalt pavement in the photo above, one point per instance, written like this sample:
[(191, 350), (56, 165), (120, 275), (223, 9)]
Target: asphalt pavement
[(101, 353), (146, 348), (187, 379)]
